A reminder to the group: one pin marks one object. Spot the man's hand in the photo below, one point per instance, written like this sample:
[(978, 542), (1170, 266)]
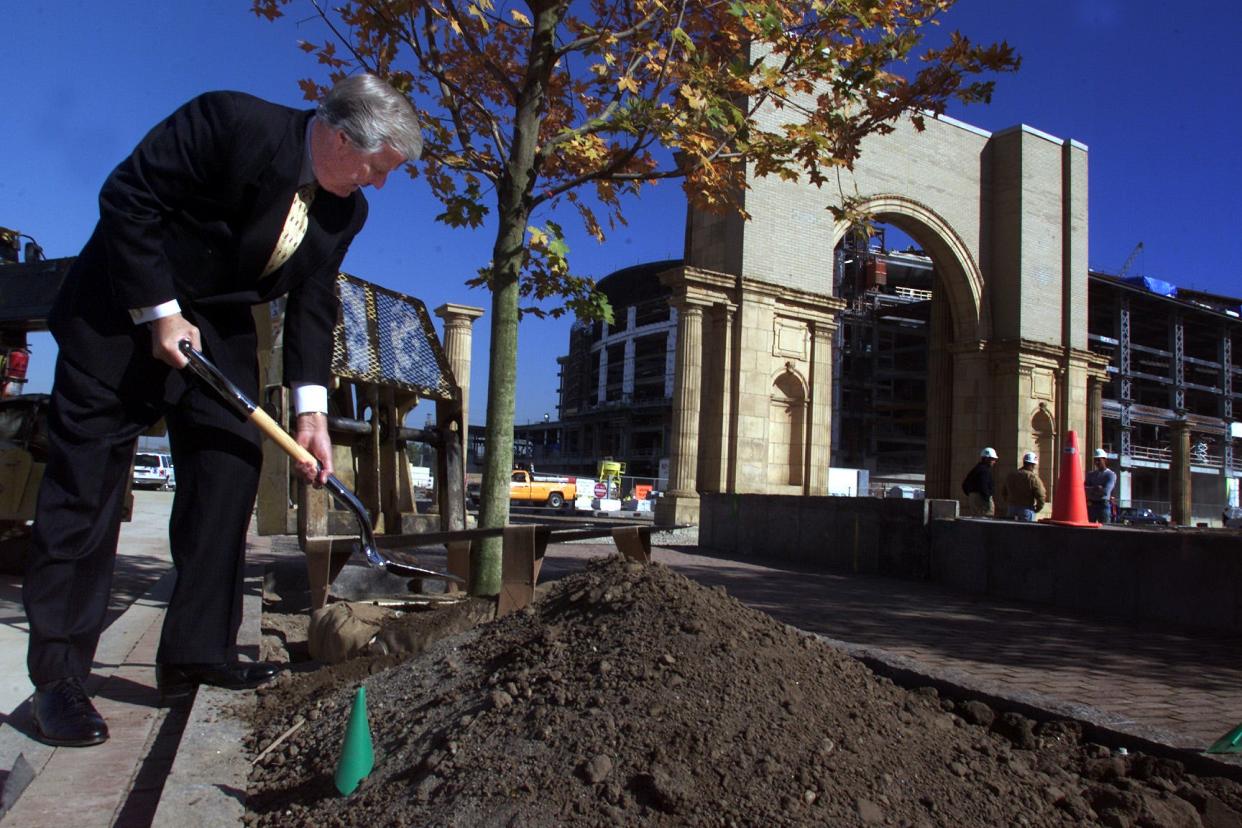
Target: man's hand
[(312, 434), (166, 334)]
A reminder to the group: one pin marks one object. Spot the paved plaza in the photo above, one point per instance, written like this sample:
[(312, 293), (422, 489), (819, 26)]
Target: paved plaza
[(1177, 688)]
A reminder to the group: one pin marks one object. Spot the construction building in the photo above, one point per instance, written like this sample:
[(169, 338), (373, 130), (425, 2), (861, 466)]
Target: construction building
[(1171, 365), (879, 399), (616, 382)]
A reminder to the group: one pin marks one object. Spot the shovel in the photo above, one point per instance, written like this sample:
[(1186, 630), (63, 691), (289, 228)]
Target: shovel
[(237, 399)]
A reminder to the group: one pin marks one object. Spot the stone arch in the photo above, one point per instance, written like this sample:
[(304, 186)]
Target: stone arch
[(787, 412), (1044, 441), (1004, 216), (960, 325), (961, 276)]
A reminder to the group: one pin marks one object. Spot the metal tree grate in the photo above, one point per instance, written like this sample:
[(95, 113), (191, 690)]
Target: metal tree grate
[(387, 338)]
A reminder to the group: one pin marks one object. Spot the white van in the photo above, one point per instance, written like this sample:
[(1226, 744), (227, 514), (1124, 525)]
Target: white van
[(154, 470)]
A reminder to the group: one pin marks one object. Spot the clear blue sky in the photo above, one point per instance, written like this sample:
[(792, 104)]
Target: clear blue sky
[(1150, 87)]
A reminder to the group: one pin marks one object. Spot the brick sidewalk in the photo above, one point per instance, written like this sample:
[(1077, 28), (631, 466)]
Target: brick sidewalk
[(1178, 687)]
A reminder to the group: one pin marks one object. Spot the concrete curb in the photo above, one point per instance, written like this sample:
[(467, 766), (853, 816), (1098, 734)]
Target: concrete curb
[(206, 787)]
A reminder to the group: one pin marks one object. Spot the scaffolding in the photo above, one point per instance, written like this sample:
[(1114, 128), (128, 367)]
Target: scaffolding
[(1170, 361), (880, 372)]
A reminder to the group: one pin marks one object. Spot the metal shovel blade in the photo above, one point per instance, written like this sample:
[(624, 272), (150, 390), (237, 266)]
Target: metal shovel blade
[(239, 402), (351, 502)]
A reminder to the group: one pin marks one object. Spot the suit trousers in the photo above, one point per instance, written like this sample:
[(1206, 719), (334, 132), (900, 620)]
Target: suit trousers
[(92, 431)]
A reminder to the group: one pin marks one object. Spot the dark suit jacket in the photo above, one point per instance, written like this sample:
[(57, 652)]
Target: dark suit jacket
[(193, 215)]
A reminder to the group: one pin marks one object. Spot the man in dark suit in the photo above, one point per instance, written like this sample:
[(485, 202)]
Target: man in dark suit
[(229, 202)]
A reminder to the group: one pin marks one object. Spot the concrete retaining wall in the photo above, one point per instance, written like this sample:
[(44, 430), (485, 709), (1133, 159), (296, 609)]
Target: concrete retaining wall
[(858, 534), (1185, 577)]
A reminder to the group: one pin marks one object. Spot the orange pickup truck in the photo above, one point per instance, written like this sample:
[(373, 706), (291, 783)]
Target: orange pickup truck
[(525, 487)]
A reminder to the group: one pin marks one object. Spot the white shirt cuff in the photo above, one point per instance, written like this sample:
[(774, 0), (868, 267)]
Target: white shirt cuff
[(309, 399), (141, 315)]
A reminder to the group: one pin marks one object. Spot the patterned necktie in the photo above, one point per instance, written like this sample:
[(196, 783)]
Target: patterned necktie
[(295, 227)]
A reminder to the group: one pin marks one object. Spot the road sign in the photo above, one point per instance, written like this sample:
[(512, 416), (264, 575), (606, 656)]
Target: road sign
[(601, 489)]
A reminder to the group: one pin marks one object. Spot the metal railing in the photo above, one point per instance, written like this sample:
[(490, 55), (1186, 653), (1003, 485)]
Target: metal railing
[(1151, 453), (1199, 456)]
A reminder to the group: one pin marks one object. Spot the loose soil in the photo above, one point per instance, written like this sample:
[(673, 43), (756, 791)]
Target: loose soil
[(631, 695)]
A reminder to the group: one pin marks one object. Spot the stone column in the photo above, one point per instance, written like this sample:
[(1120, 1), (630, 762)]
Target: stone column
[(715, 392), (458, 338), (725, 343), (819, 409), (1095, 415), (939, 466), (681, 503), (1179, 472), (966, 392)]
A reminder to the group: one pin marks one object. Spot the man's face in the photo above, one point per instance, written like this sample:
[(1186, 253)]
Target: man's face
[(1100, 462), (341, 167)]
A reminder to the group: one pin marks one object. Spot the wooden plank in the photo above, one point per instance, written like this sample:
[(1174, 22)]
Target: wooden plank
[(325, 558), (436, 538), (458, 563), (633, 542), (557, 535), (521, 560), (450, 466)]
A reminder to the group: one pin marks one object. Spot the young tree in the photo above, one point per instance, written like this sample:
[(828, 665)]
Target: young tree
[(545, 102)]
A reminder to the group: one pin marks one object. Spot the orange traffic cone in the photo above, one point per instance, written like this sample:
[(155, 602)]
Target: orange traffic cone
[(1069, 503)]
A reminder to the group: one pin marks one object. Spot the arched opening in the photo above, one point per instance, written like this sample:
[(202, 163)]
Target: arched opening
[(913, 299), (880, 376), (1043, 437), (786, 432)]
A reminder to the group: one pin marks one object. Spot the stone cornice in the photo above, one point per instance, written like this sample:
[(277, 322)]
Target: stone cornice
[(1029, 352), (695, 286)]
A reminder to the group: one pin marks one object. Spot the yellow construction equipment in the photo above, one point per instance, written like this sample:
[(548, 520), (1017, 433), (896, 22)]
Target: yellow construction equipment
[(610, 472)]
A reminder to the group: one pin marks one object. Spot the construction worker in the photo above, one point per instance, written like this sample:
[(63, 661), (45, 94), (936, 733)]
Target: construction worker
[(1099, 483), (1024, 491), (979, 485)]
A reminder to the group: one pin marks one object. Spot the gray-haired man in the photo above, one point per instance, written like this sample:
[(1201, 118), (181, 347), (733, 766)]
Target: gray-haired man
[(229, 202)]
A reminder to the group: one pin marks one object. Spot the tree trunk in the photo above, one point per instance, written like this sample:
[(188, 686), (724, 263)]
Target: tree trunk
[(485, 563), (514, 202)]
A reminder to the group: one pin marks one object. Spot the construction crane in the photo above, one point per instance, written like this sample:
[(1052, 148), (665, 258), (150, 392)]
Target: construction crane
[(1138, 248)]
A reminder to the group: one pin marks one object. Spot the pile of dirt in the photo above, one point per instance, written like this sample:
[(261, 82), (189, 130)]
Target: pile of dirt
[(631, 695)]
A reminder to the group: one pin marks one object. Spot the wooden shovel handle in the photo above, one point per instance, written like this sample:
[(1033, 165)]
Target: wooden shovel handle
[(281, 437)]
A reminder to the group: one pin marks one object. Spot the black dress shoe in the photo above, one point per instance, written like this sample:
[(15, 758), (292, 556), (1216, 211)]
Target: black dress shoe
[(65, 717), (176, 680)]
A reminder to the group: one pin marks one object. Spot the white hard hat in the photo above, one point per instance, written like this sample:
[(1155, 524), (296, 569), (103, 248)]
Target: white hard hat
[(1030, 457), (1100, 454), (988, 452)]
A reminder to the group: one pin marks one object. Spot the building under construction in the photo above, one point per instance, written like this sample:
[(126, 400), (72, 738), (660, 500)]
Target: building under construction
[(1171, 362), (879, 400), (616, 383)]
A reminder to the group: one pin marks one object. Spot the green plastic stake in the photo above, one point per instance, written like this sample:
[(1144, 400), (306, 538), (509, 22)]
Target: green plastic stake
[(357, 754), (1231, 742)]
